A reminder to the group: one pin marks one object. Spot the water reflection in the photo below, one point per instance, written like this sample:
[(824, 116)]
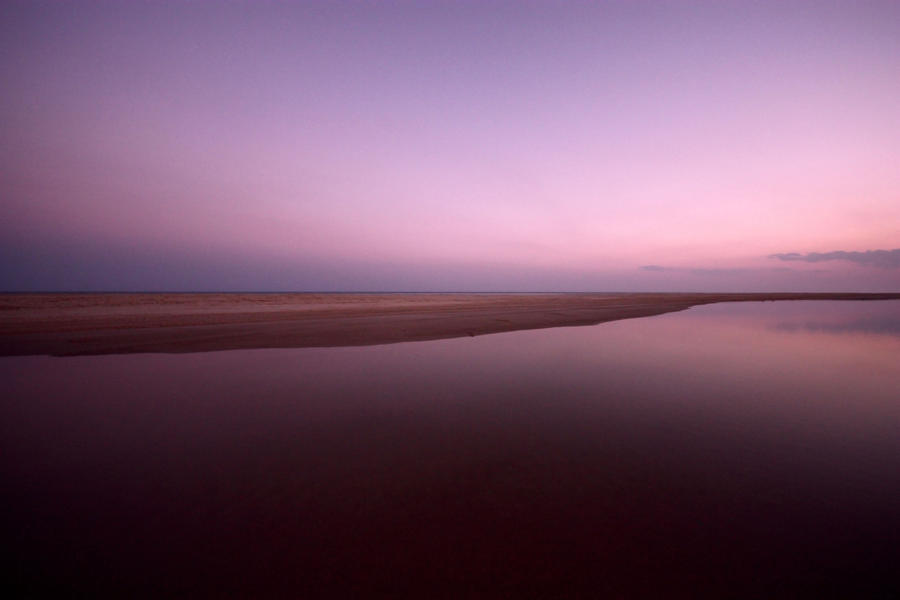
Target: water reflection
[(710, 451), (881, 318), (883, 326)]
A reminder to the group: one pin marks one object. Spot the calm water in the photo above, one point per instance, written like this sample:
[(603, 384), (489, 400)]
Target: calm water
[(733, 450)]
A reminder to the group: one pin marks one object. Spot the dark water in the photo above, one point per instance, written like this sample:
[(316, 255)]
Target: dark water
[(735, 450)]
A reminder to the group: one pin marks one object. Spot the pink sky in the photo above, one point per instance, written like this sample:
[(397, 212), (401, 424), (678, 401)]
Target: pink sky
[(450, 146)]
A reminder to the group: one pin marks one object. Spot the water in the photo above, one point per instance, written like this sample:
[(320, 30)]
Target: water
[(731, 450)]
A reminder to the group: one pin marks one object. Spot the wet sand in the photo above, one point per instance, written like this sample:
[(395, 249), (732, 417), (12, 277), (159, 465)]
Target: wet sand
[(76, 324)]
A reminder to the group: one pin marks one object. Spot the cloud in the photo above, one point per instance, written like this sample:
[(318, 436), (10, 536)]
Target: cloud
[(707, 271), (885, 259), (716, 272)]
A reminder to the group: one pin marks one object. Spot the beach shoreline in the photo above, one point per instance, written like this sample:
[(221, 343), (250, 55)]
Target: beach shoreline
[(66, 324)]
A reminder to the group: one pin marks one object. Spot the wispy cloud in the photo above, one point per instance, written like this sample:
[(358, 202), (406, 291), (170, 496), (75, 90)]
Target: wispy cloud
[(734, 271), (885, 259), (704, 271)]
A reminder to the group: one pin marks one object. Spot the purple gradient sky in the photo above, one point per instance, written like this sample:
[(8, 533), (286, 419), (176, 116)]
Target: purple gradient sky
[(448, 146)]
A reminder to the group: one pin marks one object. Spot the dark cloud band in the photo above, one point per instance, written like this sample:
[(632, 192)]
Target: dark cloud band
[(885, 259)]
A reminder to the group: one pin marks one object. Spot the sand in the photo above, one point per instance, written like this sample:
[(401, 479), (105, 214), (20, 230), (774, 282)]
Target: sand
[(76, 324)]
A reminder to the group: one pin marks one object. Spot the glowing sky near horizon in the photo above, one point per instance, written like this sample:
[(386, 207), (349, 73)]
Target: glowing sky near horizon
[(450, 146)]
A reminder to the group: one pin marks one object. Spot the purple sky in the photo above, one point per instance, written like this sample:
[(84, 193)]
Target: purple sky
[(450, 146)]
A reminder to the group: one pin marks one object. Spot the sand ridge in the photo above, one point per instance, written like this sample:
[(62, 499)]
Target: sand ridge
[(73, 324)]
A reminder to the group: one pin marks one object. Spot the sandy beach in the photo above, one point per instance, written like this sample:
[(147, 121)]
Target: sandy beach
[(74, 324)]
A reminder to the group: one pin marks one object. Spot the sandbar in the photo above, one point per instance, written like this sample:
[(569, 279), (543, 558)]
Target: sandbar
[(62, 324)]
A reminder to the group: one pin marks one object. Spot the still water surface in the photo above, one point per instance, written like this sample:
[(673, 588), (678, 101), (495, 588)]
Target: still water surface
[(736, 449)]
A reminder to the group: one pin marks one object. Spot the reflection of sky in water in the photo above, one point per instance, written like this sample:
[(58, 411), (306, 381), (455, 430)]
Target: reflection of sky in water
[(881, 317), (885, 326), (720, 446)]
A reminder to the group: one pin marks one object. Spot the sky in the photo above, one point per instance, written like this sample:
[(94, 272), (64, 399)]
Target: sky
[(450, 146)]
